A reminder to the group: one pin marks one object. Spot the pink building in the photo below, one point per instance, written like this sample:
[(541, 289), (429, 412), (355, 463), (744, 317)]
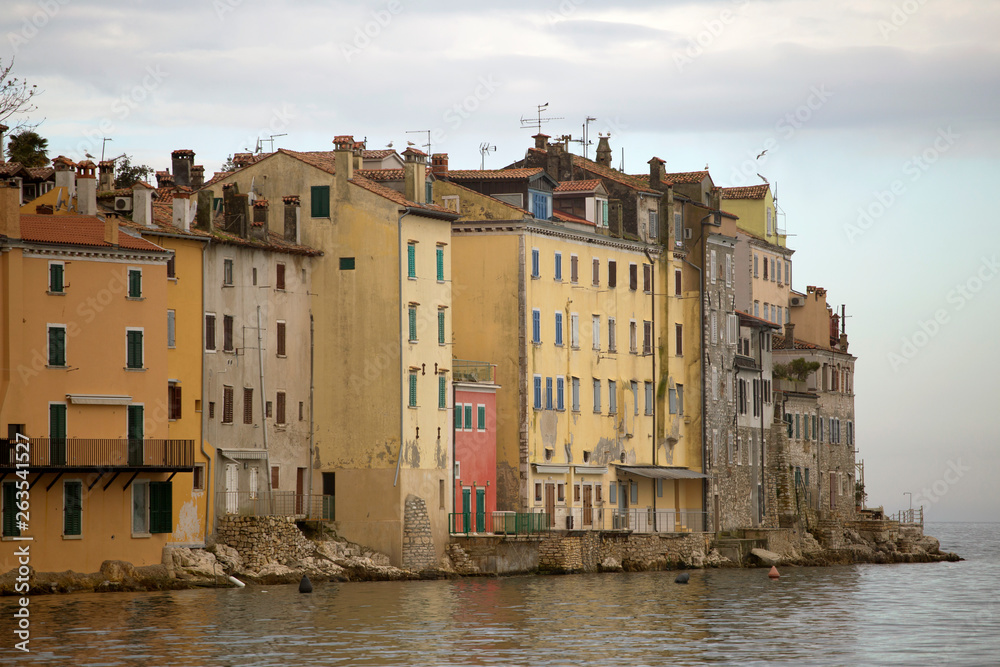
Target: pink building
[(475, 474)]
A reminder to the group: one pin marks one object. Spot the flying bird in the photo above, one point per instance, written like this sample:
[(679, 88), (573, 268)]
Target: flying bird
[(761, 155), (763, 179)]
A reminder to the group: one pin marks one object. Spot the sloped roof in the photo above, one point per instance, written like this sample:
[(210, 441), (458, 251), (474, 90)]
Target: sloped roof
[(634, 182), (588, 185), (569, 217), (494, 174), (83, 230), (687, 177), (746, 192), (380, 175)]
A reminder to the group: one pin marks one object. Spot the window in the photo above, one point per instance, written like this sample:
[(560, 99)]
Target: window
[(612, 346), (648, 386), (756, 308), (535, 263), (672, 400), (57, 345), (280, 335), (680, 399), (654, 225), (442, 392), (597, 272), (458, 416), (633, 342), (647, 337), (135, 283), (227, 333), (133, 344), (595, 326), (713, 266), (468, 416), (560, 393), (152, 507), (647, 278), (210, 332), (302, 409), (597, 395), (574, 331), (173, 401), (678, 227), (441, 337), (557, 268), (548, 393), (575, 384), (559, 328), (536, 326), (227, 405), (247, 405), (633, 277), (10, 528), (347, 263), (768, 220), (714, 319), (537, 386), (756, 271), (172, 267), (538, 492), (612, 273), (788, 273), (72, 508), (574, 269), (411, 315), (275, 470), (439, 256), (481, 417), (171, 328), (140, 507), (677, 282), (227, 272), (679, 339), (279, 407), (412, 402), (729, 270), (198, 478), (777, 270), (634, 386), (319, 199), (540, 204), (411, 260), (56, 285), (279, 278), (767, 262)]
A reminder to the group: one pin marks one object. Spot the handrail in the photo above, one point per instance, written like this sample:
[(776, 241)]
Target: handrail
[(100, 453)]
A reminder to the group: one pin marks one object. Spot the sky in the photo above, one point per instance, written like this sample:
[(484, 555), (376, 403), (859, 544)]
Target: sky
[(880, 118)]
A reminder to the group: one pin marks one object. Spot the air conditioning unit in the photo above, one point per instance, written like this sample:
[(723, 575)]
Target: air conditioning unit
[(123, 203), (687, 234), (796, 301)]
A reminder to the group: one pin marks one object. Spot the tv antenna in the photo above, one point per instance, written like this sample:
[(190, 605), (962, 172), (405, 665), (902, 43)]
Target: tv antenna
[(586, 134), (485, 149), (427, 145), (104, 142), (271, 139), (527, 123)]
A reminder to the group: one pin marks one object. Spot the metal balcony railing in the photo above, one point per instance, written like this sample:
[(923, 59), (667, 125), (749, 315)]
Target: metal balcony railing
[(104, 453), (498, 523), (275, 503), (473, 371)]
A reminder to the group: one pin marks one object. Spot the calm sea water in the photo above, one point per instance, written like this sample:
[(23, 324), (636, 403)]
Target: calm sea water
[(926, 614)]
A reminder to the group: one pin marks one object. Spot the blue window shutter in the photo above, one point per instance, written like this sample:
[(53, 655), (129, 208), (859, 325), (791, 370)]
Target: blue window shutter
[(558, 266), (535, 264), (548, 393), (536, 326), (538, 392), (560, 393), (559, 328)]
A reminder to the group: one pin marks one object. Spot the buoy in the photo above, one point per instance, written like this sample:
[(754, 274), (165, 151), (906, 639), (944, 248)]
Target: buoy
[(237, 582), (682, 578), (305, 586), (773, 574)]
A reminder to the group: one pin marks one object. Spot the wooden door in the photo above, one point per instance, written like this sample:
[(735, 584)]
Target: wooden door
[(550, 503), (232, 488), (588, 505), (480, 510), (300, 485), (833, 490)]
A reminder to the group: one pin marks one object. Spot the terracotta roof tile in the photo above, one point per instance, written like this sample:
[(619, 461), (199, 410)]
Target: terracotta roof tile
[(687, 177), (397, 197), (377, 155), (633, 182), (747, 192), (380, 175), (494, 174), (588, 185), (569, 217), (520, 210), (84, 230), (752, 319)]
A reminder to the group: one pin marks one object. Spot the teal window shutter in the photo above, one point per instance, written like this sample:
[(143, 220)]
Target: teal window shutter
[(411, 260), (481, 418), (413, 322), (441, 327), (468, 416), (319, 196), (72, 508), (161, 507), (440, 264), (10, 528), (57, 346), (55, 278), (442, 392), (413, 390), (458, 416)]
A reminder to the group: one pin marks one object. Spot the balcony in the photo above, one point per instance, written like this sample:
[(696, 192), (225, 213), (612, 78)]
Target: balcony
[(473, 371), (302, 506), (498, 523), (98, 454)]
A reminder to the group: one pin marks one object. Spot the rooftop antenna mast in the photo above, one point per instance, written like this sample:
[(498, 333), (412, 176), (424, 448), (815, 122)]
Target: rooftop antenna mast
[(485, 149), (104, 142), (586, 134), (427, 145), (271, 139), (843, 318), (528, 123)]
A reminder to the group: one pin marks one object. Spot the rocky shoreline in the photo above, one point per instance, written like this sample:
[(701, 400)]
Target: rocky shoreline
[(325, 558)]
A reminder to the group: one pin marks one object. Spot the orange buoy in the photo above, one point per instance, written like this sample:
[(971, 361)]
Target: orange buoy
[(773, 574)]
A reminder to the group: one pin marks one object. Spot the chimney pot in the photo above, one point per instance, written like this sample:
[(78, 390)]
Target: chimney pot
[(541, 140), (439, 164), (604, 151)]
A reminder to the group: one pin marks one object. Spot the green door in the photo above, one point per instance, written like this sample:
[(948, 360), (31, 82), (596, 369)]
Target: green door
[(57, 435), (466, 510), (480, 510), (135, 435)]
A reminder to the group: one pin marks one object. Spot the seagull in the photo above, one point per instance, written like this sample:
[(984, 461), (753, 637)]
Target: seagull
[(410, 143), (761, 154), (389, 145), (89, 155), (763, 179)]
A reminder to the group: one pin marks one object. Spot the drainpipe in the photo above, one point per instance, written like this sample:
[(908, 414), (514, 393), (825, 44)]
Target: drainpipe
[(263, 408), (312, 391), (704, 400), (760, 493), (204, 409), (652, 309), (399, 244)]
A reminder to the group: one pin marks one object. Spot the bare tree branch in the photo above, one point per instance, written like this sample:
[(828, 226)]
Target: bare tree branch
[(15, 96)]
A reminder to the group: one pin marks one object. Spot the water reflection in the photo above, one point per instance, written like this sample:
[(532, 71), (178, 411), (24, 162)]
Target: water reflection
[(906, 614)]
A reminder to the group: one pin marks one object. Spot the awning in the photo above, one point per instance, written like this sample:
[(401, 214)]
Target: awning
[(98, 399), (243, 454), (661, 472)]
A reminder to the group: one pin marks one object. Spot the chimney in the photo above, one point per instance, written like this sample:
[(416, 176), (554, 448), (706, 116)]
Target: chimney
[(540, 141), (236, 210), (111, 230), (657, 172), (258, 228), (415, 175), (439, 164), (86, 188), (790, 336), (359, 158), (106, 176), (180, 218), (3, 130), (10, 210), (65, 176), (344, 157), (163, 179), (205, 213), (181, 162), (142, 204), (615, 217), (292, 208), (843, 342), (604, 151), (197, 176)]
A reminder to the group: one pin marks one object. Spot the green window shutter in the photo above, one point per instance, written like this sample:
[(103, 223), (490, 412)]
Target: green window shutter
[(441, 327), (135, 283), (72, 508), (135, 349), (161, 507), (57, 346), (440, 263), (481, 416), (442, 392), (413, 322), (319, 197), (411, 260), (10, 528), (55, 277), (458, 416), (413, 390), (468, 416)]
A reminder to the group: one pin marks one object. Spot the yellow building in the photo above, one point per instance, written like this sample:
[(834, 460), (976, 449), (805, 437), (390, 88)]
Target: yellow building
[(84, 377), (754, 205)]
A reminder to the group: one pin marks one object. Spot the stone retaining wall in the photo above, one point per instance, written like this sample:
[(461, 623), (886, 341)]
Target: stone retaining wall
[(418, 542), (262, 539)]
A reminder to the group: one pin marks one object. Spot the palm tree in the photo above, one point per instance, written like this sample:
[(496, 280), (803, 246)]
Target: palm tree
[(29, 149)]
